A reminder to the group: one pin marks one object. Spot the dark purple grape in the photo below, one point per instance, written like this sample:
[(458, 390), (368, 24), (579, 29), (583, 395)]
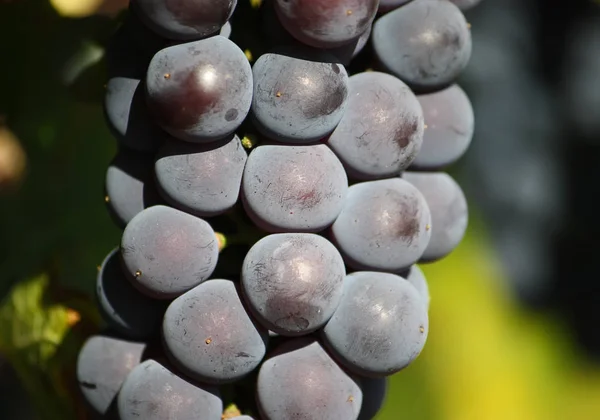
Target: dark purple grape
[(297, 100), (326, 23), (202, 179), (426, 43), (184, 19), (123, 307), (166, 252), (210, 337), (374, 392), (466, 4), (450, 124), (449, 212), (301, 381), (293, 282), (380, 326), (200, 91), (385, 225), (382, 128), (129, 186), (388, 5), (416, 277), (127, 115), (293, 188), (153, 392), (102, 366)]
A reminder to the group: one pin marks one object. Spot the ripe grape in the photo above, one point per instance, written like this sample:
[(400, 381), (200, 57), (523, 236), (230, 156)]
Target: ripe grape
[(380, 326), (166, 252), (387, 5), (449, 212), (298, 100), (153, 392), (450, 124), (209, 335), (466, 4), (200, 91), (416, 277), (385, 225), (382, 128), (374, 392), (301, 381), (202, 179), (293, 188), (426, 43), (293, 281)]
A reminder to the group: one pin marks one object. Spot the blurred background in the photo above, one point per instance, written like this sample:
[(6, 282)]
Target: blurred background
[(515, 310)]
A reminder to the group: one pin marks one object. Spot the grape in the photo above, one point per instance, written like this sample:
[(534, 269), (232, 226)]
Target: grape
[(416, 277), (387, 5), (153, 392), (102, 365), (129, 186), (326, 23), (210, 337), (385, 225), (226, 30), (121, 305), (449, 213), (301, 381), (184, 19), (466, 4), (127, 115), (382, 128), (298, 100), (380, 326), (450, 125), (203, 179), (374, 392), (426, 43), (166, 252), (200, 91), (293, 188), (293, 281)]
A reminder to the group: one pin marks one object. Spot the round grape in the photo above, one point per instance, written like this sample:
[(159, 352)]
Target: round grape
[(382, 128), (374, 392), (385, 225), (293, 188), (466, 4), (153, 392), (200, 91), (449, 212), (380, 326), (202, 179), (297, 100), (426, 43), (387, 5), (301, 381), (293, 281), (166, 252), (416, 277), (209, 335)]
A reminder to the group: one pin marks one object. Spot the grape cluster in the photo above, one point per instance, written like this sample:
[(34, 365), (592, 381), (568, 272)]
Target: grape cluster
[(273, 214)]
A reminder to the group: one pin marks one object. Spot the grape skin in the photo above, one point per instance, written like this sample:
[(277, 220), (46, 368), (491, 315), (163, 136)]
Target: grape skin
[(153, 392), (129, 186), (385, 225), (388, 5), (301, 381), (416, 277), (293, 188), (293, 282), (184, 20), (449, 212), (450, 126), (466, 4), (200, 91), (426, 43), (121, 305), (209, 335), (374, 392), (166, 252), (202, 179), (382, 128), (298, 100), (103, 364), (380, 326), (326, 23)]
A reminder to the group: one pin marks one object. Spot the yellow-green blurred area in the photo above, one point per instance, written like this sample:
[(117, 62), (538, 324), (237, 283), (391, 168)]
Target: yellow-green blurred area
[(489, 355)]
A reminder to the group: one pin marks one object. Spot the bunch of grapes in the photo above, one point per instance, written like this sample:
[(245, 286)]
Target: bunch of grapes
[(275, 201)]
